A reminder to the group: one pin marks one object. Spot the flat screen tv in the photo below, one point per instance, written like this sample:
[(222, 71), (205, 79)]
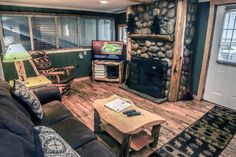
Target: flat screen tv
[(107, 50)]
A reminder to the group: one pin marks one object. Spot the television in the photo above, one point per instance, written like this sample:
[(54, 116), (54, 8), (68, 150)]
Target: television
[(107, 50)]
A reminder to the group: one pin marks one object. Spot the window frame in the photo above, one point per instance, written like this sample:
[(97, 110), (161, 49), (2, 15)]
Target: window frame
[(223, 62), (120, 32), (56, 30), (55, 16)]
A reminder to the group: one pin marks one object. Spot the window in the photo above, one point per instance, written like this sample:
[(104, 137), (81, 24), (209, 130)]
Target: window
[(227, 49), (95, 29), (88, 31), (44, 33), (105, 29), (68, 32), (122, 33), (16, 30)]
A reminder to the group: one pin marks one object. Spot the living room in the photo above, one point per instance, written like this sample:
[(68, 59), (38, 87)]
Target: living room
[(107, 78)]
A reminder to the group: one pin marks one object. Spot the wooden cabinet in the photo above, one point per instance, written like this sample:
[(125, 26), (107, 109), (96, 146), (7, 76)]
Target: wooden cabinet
[(120, 66)]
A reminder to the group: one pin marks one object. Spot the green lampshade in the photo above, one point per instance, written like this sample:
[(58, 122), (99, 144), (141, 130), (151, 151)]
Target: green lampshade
[(16, 52)]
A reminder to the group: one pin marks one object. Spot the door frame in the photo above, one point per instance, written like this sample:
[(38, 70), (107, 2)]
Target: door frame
[(1, 70), (208, 44)]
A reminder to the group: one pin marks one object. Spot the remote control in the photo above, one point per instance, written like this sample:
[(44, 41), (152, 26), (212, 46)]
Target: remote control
[(133, 114), (129, 111)]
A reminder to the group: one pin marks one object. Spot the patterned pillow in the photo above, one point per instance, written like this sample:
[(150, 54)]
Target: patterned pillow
[(53, 144), (26, 95)]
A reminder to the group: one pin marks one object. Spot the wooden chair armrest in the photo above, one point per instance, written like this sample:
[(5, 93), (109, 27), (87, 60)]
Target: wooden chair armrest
[(55, 73), (65, 68)]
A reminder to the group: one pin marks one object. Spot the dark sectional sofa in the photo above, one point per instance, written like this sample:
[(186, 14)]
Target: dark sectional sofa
[(17, 138)]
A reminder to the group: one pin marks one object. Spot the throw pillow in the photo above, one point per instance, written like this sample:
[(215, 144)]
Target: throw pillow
[(53, 144), (27, 96)]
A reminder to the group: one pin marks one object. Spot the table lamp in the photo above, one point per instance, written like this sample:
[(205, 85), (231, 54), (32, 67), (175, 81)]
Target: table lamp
[(16, 53)]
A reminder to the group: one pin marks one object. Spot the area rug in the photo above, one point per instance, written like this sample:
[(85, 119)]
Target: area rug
[(207, 137)]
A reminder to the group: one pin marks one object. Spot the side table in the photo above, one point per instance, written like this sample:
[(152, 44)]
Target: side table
[(35, 82)]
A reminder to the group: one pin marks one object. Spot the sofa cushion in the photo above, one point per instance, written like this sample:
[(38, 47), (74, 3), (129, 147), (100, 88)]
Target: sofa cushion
[(26, 95), (53, 144), (12, 119), (12, 145), (73, 131), (94, 149), (54, 111), (16, 129)]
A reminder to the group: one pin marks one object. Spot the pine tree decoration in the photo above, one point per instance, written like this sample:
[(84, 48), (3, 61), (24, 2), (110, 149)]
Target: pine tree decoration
[(155, 28), (131, 25)]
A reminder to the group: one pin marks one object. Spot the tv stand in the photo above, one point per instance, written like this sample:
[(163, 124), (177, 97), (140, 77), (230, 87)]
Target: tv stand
[(100, 70)]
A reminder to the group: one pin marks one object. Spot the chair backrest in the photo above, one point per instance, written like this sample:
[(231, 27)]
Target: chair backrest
[(41, 62)]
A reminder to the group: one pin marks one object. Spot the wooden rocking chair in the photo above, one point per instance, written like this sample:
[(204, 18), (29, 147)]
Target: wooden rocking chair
[(42, 65)]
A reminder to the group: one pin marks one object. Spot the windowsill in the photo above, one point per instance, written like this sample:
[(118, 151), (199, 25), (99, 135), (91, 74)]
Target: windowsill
[(68, 50)]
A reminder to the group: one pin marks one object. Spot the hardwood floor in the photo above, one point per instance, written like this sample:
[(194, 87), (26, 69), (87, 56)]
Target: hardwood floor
[(179, 115)]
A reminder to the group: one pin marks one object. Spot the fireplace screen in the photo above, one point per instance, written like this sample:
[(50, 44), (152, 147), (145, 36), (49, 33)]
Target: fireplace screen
[(148, 76)]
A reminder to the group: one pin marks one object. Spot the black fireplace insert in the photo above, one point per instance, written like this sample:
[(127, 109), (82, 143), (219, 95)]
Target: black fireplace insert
[(148, 76)]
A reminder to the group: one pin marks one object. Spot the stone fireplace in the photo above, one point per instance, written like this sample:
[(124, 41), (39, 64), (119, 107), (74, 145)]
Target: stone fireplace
[(159, 48)]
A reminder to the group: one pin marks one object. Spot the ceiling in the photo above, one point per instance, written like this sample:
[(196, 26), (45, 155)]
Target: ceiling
[(113, 6)]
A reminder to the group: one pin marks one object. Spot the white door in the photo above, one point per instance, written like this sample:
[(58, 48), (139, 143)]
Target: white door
[(220, 85)]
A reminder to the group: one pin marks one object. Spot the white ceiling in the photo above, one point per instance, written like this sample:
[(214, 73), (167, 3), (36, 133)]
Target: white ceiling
[(90, 5)]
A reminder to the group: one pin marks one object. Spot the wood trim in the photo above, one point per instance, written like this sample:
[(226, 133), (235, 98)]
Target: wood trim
[(2, 76), (1, 37), (152, 36), (222, 2), (78, 30), (178, 50), (129, 47), (119, 31), (57, 33), (207, 50), (66, 50), (31, 33)]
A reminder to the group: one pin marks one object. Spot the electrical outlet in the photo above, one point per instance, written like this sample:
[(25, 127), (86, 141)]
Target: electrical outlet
[(81, 56)]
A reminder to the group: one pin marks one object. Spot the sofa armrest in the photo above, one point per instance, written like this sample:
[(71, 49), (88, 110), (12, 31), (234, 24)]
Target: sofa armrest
[(47, 94)]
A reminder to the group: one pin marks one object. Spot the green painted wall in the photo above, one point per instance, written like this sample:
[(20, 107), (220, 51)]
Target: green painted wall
[(199, 44), (83, 66)]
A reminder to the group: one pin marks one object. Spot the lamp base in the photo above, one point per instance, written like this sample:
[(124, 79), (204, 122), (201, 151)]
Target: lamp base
[(20, 68)]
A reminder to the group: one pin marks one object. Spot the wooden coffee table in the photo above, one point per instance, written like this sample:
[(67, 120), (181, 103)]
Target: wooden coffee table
[(129, 131)]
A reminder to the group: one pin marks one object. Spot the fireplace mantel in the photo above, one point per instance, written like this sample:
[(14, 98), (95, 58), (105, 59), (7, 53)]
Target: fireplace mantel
[(152, 36)]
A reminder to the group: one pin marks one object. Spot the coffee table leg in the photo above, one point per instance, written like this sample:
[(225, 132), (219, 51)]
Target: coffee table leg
[(124, 152), (155, 135), (97, 122)]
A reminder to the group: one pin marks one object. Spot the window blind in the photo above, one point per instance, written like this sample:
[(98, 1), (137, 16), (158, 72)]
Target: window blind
[(68, 32), (88, 31), (44, 33), (16, 31), (105, 29)]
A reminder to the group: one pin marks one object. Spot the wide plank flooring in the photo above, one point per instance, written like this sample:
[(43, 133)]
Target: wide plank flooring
[(179, 115)]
